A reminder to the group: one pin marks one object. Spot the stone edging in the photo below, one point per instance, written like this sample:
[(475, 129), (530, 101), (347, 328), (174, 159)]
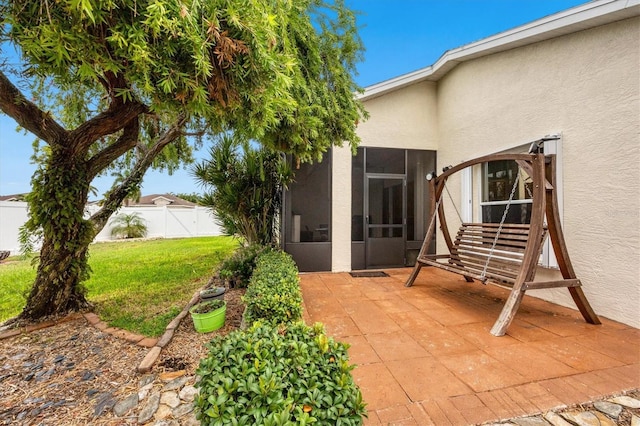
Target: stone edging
[(39, 326), (154, 353)]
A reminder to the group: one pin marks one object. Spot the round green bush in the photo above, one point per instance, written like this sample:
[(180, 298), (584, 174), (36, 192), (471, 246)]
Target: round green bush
[(290, 374)]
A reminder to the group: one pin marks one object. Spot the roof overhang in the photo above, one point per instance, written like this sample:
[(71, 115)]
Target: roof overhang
[(579, 18)]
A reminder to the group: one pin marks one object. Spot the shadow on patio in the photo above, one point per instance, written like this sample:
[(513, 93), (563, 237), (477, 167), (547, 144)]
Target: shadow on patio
[(424, 354)]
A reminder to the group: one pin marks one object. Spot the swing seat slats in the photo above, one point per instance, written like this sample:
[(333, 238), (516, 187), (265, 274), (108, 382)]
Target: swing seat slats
[(472, 252)]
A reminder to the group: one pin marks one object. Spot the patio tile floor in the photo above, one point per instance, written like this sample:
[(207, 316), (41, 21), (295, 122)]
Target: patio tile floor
[(424, 354)]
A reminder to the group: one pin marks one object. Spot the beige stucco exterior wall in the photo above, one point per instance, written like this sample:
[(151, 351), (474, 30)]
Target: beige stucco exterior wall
[(341, 210), (587, 86), (405, 118)]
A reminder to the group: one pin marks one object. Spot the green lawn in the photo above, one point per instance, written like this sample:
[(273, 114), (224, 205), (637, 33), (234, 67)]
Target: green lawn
[(136, 285)]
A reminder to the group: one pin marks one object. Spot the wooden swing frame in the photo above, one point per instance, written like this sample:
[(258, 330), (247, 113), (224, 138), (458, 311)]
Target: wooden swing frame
[(517, 247)]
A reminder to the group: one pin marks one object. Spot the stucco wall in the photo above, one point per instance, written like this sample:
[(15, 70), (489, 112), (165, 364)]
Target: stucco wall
[(405, 118), (586, 86), (341, 210)]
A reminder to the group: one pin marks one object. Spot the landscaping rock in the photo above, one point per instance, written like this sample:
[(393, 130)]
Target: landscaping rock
[(170, 375), (146, 379), (144, 391), (588, 418), (610, 409), (182, 410), (88, 375), (149, 359), (123, 406), (170, 398), (163, 412), (166, 423), (150, 408), (105, 402), (176, 383), (188, 393), (627, 401), (555, 419), (531, 421)]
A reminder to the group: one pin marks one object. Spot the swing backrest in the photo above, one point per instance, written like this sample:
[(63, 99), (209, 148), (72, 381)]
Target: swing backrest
[(472, 251)]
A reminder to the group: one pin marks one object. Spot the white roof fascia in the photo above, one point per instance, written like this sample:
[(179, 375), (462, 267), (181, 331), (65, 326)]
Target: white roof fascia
[(588, 15), (162, 198)]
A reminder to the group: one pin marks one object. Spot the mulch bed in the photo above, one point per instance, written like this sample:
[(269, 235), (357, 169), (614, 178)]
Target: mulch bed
[(72, 373)]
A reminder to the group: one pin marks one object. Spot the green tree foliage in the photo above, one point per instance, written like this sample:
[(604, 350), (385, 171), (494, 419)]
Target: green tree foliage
[(121, 84), (245, 188), (128, 226)]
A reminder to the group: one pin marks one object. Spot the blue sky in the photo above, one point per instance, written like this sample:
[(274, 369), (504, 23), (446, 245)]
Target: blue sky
[(400, 36)]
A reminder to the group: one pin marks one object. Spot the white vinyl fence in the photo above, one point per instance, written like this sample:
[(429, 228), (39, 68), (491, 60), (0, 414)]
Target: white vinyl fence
[(162, 222)]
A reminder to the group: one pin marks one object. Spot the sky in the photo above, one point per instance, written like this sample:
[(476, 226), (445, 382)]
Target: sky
[(400, 36)]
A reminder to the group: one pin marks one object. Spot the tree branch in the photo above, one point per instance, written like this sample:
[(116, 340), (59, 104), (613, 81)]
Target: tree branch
[(28, 115), (115, 197), (125, 142), (117, 117)]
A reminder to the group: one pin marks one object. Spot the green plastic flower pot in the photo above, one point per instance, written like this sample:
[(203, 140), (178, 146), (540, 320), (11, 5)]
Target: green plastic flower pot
[(205, 322)]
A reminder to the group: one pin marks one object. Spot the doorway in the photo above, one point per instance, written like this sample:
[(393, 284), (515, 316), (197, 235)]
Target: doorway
[(385, 220), (389, 193)]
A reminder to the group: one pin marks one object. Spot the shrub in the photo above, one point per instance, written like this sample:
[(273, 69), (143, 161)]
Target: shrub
[(239, 267), (273, 294), (277, 375), (128, 226), (244, 187)]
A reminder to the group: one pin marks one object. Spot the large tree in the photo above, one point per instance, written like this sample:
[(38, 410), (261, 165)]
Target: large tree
[(121, 84)]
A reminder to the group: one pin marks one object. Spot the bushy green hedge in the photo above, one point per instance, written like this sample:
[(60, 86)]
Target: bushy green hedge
[(239, 267), (274, 294), (290, 374)]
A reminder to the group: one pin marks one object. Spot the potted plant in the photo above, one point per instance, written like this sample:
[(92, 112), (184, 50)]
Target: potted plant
[(208, 316)]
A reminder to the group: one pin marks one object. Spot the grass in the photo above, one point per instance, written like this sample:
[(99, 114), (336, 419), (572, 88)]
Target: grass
[(139, 286)]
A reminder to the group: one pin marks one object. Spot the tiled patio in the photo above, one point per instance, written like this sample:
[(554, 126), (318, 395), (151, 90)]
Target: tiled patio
[(424, 354)]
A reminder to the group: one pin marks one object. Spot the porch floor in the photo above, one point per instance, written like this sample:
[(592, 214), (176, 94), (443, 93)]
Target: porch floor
[(424, 354)]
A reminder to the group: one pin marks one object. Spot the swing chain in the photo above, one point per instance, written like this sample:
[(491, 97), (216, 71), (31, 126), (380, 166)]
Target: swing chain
[(483, 275)]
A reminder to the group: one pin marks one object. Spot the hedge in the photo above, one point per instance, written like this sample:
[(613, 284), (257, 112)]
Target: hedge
[(290, 374), (273, 294)]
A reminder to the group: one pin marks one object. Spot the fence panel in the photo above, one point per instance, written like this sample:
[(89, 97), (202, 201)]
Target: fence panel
[(162, 222), (13, 214)]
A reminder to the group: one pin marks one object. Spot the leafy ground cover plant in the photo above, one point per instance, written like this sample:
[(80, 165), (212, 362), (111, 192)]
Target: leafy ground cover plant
[(273, 294), (290, 374)]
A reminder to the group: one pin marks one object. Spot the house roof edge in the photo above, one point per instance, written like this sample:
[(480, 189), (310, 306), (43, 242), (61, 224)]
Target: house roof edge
[(589, 15)]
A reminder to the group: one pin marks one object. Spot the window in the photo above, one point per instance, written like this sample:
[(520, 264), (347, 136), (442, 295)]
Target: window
[(309, 203), (497, 181)]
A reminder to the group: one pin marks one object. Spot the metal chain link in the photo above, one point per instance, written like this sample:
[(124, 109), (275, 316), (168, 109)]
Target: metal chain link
[(504, 217)]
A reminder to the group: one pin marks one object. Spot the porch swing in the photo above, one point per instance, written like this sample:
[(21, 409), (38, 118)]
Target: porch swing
[(505, 254)]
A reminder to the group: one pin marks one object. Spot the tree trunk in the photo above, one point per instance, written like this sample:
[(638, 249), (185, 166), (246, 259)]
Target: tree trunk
[(57, 289), (57, 206)]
